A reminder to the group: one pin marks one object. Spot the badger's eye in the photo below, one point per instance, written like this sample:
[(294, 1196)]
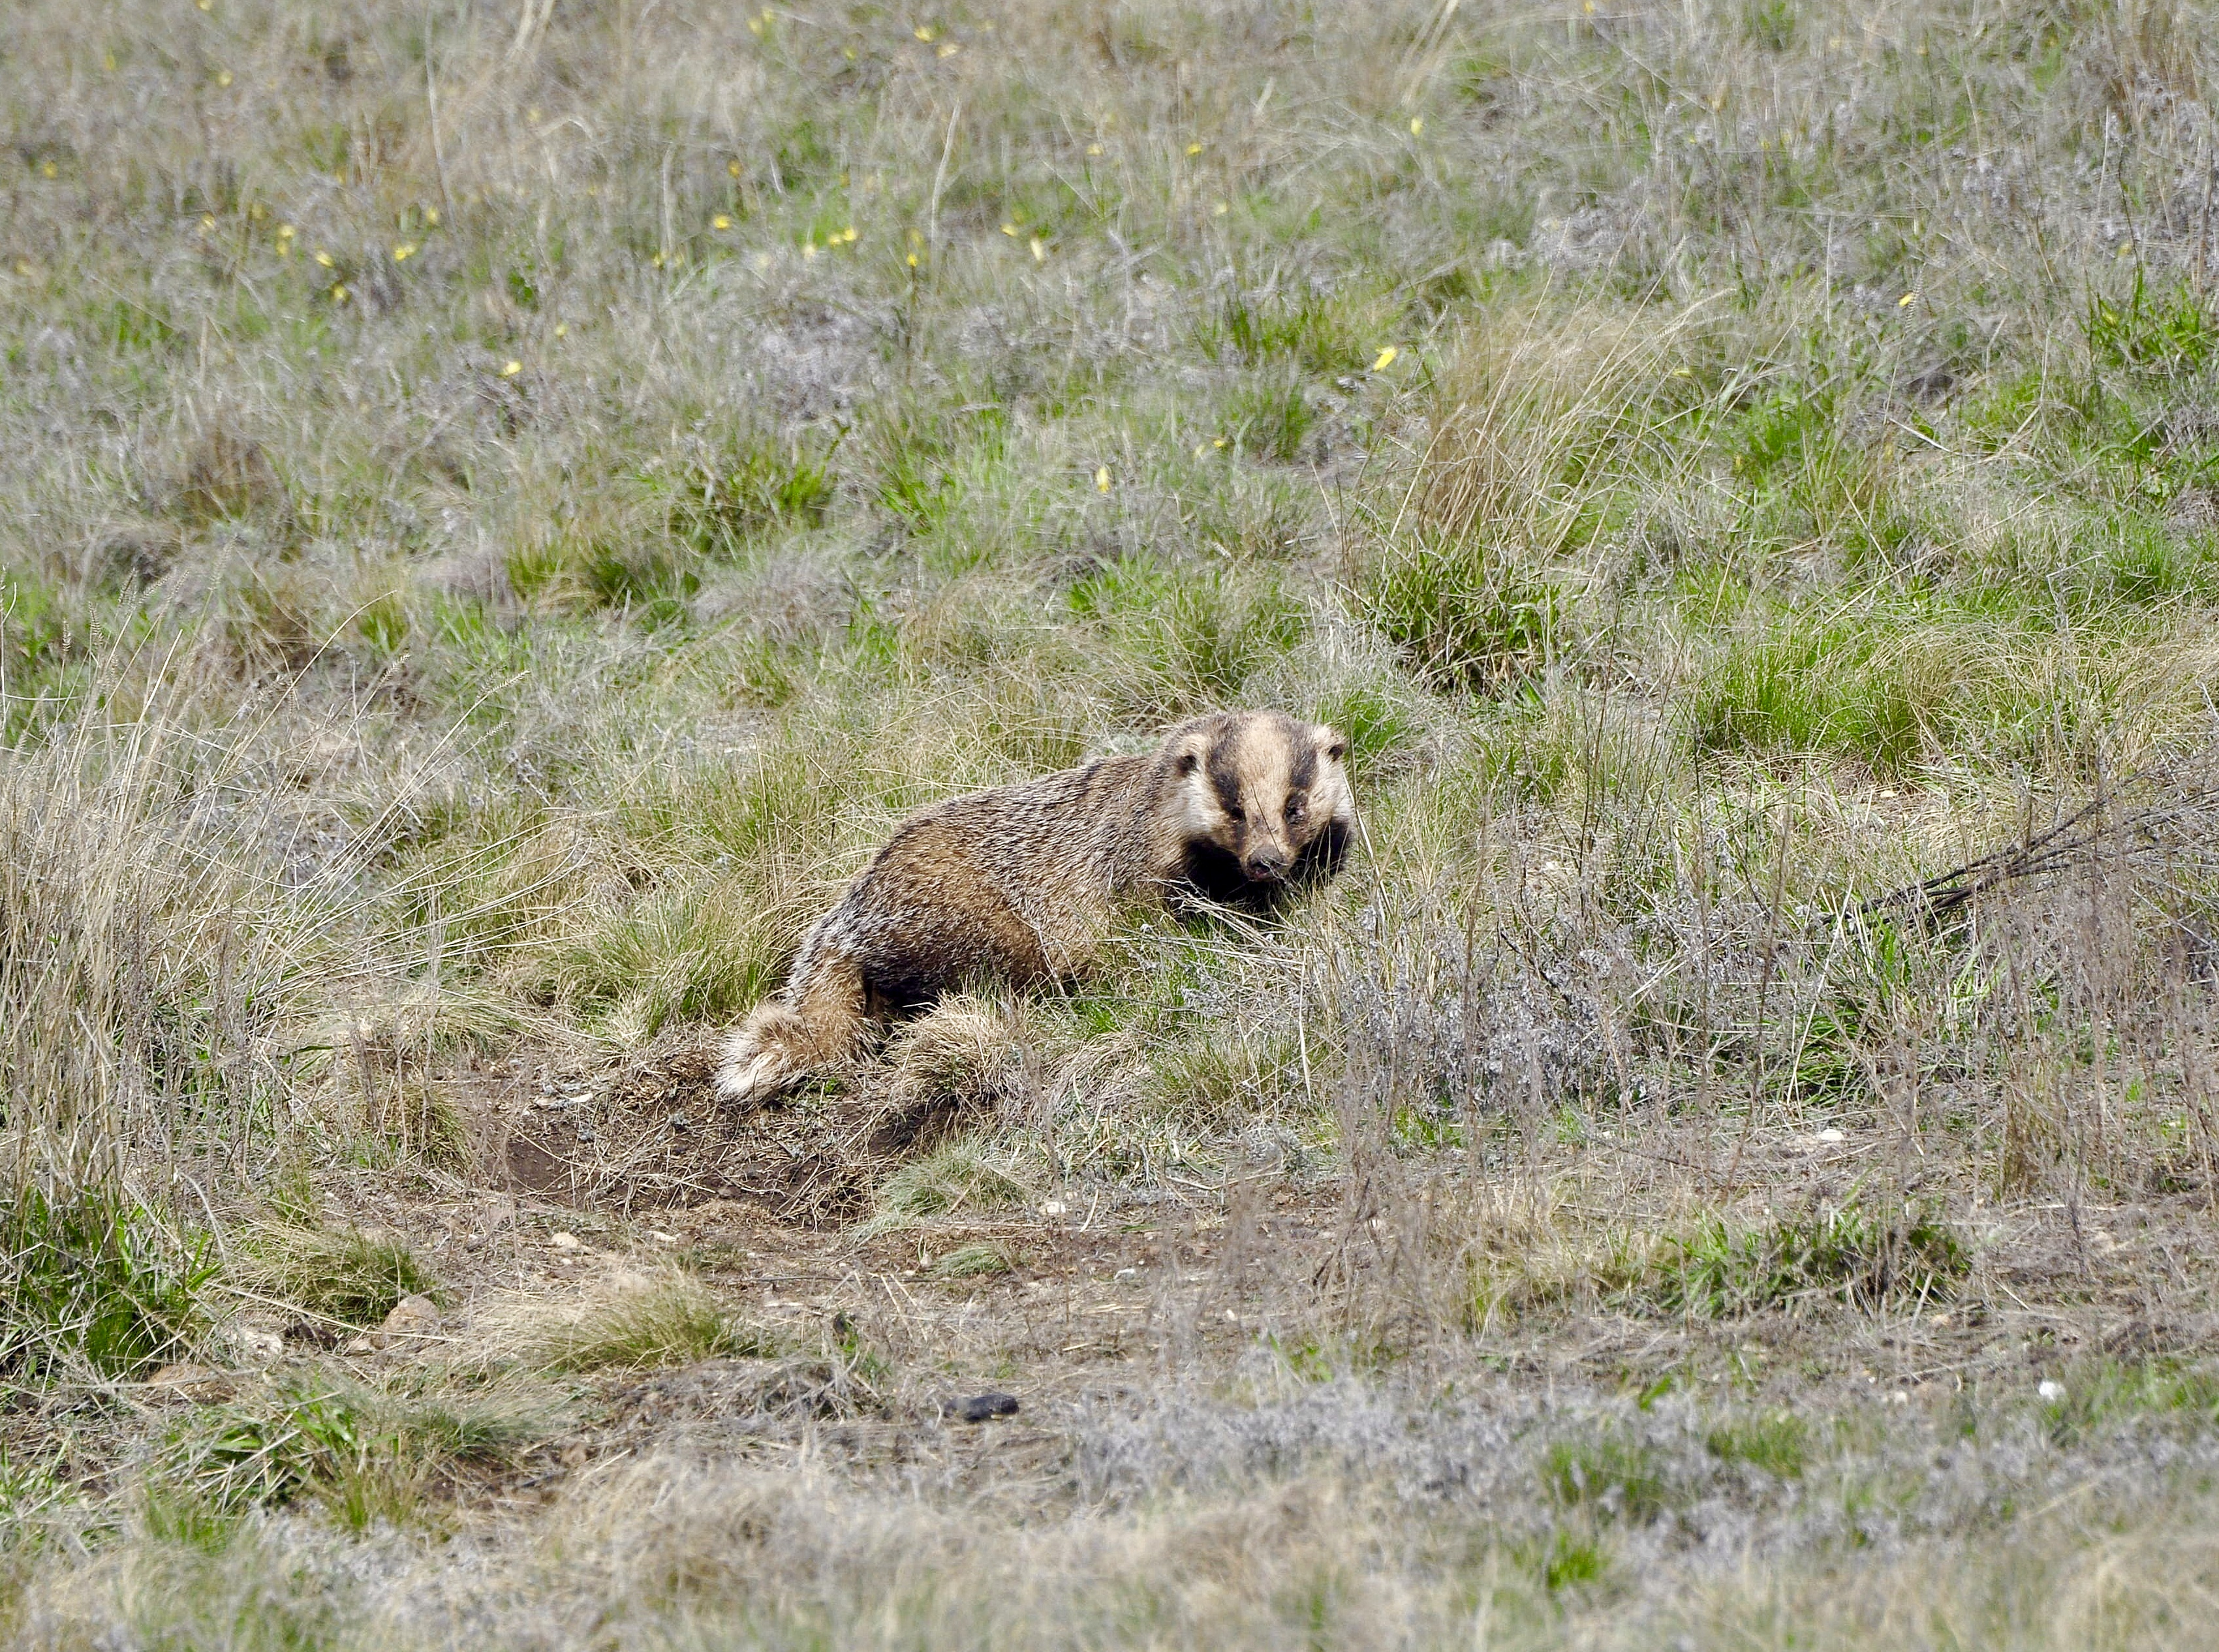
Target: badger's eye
[(1233, 813), (1294, 810)]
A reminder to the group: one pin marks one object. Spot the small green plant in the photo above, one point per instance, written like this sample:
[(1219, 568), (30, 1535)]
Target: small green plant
[(345, 1275), (2151, 332), (1572, 1559), (1778, 1443), (1272, 418), (1610, 1473), (761, 487), (674, 1324), (1315, 331), (368, 1455), (973, 1261), (85, 1275), (2101, 1392), (957, 1177), (1845, 1254), (1463, 615)]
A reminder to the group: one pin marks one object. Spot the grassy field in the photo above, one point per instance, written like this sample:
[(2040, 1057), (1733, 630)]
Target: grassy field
[(502, 506)]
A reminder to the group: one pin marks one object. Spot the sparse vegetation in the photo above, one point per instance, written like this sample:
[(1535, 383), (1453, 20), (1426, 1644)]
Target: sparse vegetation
[(505, 508)]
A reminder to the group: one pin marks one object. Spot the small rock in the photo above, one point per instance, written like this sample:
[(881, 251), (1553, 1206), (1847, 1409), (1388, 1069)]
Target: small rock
[(2050, 1391), (1053, 1207), (199, 1384), (566, 1242), (1124, 1274), (980, 1407), (1832, 1135), (412, 1316)]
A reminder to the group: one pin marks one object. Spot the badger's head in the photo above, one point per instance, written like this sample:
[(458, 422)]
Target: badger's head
[(1258, 794)]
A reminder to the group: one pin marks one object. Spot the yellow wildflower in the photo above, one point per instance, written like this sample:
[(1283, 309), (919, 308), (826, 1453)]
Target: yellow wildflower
[(1194, 149), (339, 292), (912, 260), (732, 167), (47, 168), (207, 225), (223, 76), (510, 369), (1219, 210), (431, 215), (720, 221), (1009, 229), (1906, 300), (1102, 479), (323, 257), (755, 25), (1040, 250), (562, 329), (1386, 360), (1094, 149), (949, 50), (108, 61), (1417, 125), (405, 252), (923, 33), (808, 251)]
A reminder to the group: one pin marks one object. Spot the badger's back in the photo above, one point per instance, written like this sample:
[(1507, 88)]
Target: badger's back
[(1013, 883)]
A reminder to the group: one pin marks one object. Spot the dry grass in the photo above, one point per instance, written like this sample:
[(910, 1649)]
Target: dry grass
[(505, 510)]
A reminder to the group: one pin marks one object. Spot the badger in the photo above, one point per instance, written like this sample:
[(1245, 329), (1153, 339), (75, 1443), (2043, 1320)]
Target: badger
[(1020, 884)]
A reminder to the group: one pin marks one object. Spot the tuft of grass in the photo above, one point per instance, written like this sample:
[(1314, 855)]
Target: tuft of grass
[(973, 1261), (1463, 614), (1847, 1254), (1779, 1442), (344, 1274), (675, 1322), (960, 1177), (366, 1456), (1610, 1474)]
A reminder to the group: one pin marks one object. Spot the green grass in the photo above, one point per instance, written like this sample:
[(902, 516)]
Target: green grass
[(92, 1280), (487, 554), (342, 1274), (673, 1324)]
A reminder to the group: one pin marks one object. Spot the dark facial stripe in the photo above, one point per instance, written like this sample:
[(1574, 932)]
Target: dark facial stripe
[(1304, 773), (1223, 767)]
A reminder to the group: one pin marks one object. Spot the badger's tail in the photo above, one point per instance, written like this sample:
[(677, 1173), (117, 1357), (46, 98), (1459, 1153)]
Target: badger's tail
[(818, 1019)]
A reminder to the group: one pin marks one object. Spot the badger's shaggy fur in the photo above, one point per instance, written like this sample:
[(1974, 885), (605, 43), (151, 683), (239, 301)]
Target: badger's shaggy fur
[(1019, 885)]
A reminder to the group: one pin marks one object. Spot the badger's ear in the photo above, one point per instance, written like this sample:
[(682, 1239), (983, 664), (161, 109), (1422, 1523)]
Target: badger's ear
[(1332, 742)]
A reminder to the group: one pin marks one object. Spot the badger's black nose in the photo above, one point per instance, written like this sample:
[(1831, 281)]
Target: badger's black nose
[(1265, 865)]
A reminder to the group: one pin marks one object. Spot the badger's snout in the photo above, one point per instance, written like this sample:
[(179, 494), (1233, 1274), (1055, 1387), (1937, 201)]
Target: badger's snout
[(1265, 865)]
